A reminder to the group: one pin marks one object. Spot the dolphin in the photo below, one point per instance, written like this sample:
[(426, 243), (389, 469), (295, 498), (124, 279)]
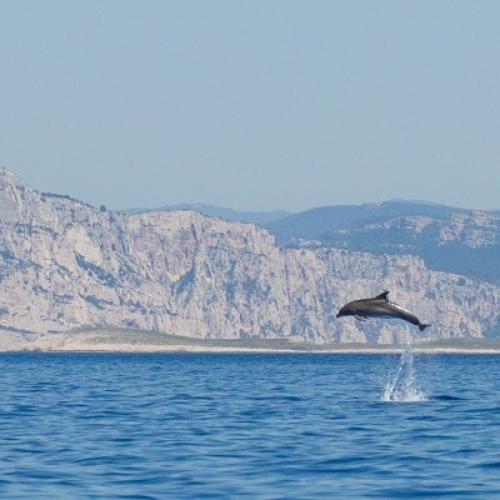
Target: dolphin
[(379, 307)]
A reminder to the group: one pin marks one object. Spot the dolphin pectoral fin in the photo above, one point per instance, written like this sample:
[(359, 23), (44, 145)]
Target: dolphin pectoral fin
[(383, 295), (360, 318)]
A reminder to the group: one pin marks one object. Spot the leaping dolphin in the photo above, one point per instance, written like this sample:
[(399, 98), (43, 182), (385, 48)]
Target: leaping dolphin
[(379, 307)]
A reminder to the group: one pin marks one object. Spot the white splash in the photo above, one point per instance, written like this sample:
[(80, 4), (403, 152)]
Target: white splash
[(403, 386)]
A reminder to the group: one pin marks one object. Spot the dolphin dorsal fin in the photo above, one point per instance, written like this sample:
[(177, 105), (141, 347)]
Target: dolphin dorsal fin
[(383, 295)]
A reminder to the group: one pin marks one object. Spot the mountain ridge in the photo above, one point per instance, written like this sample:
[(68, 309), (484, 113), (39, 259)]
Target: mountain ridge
[(448, 239), (396, 227), (66, 265), (252, 217)]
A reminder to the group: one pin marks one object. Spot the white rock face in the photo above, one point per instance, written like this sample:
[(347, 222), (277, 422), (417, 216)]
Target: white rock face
[(66, 265)]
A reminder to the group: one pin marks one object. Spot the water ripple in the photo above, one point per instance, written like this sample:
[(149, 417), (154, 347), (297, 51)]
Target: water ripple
[(259, 426)]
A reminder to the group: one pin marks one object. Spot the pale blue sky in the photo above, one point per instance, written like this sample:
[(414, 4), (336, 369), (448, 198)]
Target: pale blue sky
[(253, 104)]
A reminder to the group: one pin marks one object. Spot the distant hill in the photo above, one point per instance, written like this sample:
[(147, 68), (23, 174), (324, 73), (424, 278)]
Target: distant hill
[(448, 239), (222, 213), (320, 223)]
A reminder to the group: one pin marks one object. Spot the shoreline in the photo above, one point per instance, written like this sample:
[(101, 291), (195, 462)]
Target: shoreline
[(127, 341), (179, 349)]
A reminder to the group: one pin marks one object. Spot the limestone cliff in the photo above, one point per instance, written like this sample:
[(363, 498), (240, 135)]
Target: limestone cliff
[(66, 265)]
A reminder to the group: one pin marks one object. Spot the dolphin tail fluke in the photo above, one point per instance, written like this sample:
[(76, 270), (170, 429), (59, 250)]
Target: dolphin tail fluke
[(423, 326)]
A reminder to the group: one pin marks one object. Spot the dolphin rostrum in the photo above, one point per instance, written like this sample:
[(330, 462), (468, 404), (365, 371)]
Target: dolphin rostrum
[(379, 307)]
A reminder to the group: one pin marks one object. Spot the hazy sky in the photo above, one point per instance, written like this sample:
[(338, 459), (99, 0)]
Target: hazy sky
[(253, 104)]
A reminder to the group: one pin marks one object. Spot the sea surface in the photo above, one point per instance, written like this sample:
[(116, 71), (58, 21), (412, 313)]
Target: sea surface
[(249, 425)]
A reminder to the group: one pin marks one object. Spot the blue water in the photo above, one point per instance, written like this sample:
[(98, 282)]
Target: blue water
[(261, 426)]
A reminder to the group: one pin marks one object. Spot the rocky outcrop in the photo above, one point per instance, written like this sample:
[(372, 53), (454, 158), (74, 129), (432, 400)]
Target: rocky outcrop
[(65, 265)]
